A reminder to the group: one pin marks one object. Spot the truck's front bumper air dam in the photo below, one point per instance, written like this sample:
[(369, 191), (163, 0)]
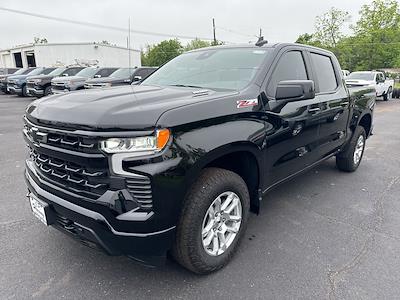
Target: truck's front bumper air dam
[(93, 229)]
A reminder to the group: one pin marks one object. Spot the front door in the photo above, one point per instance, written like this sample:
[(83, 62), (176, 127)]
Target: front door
[(292, 130)]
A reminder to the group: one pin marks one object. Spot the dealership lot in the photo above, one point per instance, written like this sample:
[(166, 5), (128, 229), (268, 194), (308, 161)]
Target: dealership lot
[(325, 234)]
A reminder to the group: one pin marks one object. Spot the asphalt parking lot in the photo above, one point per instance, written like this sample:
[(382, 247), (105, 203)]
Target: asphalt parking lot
[(325, 234)]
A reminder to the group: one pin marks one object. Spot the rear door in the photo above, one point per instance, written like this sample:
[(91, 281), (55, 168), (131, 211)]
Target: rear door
[(332, 105), (292, 132)]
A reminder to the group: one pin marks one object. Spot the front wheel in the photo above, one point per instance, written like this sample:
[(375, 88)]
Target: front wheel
[(350, 159), (386, 96), (24, 91), (213, 221)]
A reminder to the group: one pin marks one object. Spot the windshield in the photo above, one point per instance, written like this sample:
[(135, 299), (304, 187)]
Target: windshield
[(214, 68), (20, 71), (361, 76), (122, 73), (56, 72), (87, 72), (71, 71), (48, 71), (37, 71)]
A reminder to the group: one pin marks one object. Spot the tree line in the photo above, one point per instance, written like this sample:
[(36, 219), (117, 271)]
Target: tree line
[(374, 42)]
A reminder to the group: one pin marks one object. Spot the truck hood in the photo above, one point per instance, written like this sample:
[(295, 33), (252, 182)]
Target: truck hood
[(64, 79), (43, 77), (358, 82), (134, 107), (106, 80), (17, 77)]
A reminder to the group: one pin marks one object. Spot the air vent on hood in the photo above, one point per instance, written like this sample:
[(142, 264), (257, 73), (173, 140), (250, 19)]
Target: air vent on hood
[(200, 93)]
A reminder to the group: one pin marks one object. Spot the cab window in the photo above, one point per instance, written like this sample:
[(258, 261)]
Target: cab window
[(291, 66)]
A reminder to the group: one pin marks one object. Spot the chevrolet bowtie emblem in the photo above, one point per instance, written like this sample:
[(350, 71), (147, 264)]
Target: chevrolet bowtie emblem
[(37, 136)]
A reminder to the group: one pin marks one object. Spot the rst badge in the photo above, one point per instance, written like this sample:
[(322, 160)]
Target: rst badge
[(246, 103)]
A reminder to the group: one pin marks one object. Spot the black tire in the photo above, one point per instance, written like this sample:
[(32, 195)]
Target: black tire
[(386, 96), (188, 248), (396, 93), (47, 91), (24, 92), (345, 160)]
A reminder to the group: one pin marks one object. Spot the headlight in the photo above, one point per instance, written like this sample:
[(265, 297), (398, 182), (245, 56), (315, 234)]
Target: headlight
[(38, 80), (147, 143)]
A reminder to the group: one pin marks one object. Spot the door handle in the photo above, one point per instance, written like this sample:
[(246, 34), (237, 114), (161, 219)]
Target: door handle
[(314, 109)]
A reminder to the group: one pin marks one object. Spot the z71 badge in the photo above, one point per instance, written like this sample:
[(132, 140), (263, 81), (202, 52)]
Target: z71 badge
[(247, 103)]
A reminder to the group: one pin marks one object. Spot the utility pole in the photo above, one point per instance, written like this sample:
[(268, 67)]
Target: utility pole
[(215, 39), (129, 41), (260, 33)]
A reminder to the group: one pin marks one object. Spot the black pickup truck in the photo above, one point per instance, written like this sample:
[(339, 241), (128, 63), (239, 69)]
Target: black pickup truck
[(176, 163)]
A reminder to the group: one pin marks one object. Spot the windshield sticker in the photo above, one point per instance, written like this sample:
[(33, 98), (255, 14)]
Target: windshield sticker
[(247, 103)]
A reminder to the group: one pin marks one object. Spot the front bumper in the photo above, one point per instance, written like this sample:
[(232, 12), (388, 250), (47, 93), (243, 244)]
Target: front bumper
[(34, 91), (14, 89), (93, 229)]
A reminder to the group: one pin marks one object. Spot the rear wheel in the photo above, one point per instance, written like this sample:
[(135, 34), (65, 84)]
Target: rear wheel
[(213, 221), (350, 159), (47, 90)]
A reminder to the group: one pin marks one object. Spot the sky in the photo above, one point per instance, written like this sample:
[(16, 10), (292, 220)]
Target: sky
[(237, 21)]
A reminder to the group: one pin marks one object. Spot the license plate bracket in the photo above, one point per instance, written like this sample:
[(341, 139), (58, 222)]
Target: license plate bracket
[(40, 209)]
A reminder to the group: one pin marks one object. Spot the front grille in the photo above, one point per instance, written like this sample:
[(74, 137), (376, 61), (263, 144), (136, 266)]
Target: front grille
[(88, 181), (75, 163), (140, 189)]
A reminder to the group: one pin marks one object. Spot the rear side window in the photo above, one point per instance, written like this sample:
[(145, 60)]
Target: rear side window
[(290, 67), (325, 72)]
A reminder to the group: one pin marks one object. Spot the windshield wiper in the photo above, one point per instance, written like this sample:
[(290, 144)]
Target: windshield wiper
[(187, 85)]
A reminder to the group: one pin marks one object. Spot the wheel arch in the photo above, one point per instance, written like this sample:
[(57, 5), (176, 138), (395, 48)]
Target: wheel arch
[(242, 158), (366, 123)]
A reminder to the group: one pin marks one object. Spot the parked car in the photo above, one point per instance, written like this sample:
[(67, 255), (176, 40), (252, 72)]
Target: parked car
[(61, 85), (40, 85), (8, 71), (121, 76), (142, 73), (177, 162), (3, 78), (16, 84), (383, 86)]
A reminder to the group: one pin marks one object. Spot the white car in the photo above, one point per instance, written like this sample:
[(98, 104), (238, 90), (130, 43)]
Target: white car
[(383, 86)]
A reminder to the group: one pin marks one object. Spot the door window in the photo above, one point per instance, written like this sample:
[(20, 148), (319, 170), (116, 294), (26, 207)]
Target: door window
[(324, 72), (290, 67)]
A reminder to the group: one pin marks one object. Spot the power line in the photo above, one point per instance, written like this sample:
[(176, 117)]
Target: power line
[(95, 25), (236, 32)]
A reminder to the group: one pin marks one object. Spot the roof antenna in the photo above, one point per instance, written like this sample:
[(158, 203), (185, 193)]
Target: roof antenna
[(261, 41)]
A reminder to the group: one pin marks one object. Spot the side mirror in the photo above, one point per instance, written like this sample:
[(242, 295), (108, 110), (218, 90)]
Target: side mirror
[(295, 90), (66, 75), (97, 76), (136, 78)]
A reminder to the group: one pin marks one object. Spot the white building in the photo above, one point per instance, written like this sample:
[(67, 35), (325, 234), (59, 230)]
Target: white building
[(53, 54)]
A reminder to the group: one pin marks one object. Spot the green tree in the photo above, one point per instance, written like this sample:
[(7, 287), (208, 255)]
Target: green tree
[(308, 39), (196, 44), (329, 27), (377, 34), (159, 54), (38, 40)]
